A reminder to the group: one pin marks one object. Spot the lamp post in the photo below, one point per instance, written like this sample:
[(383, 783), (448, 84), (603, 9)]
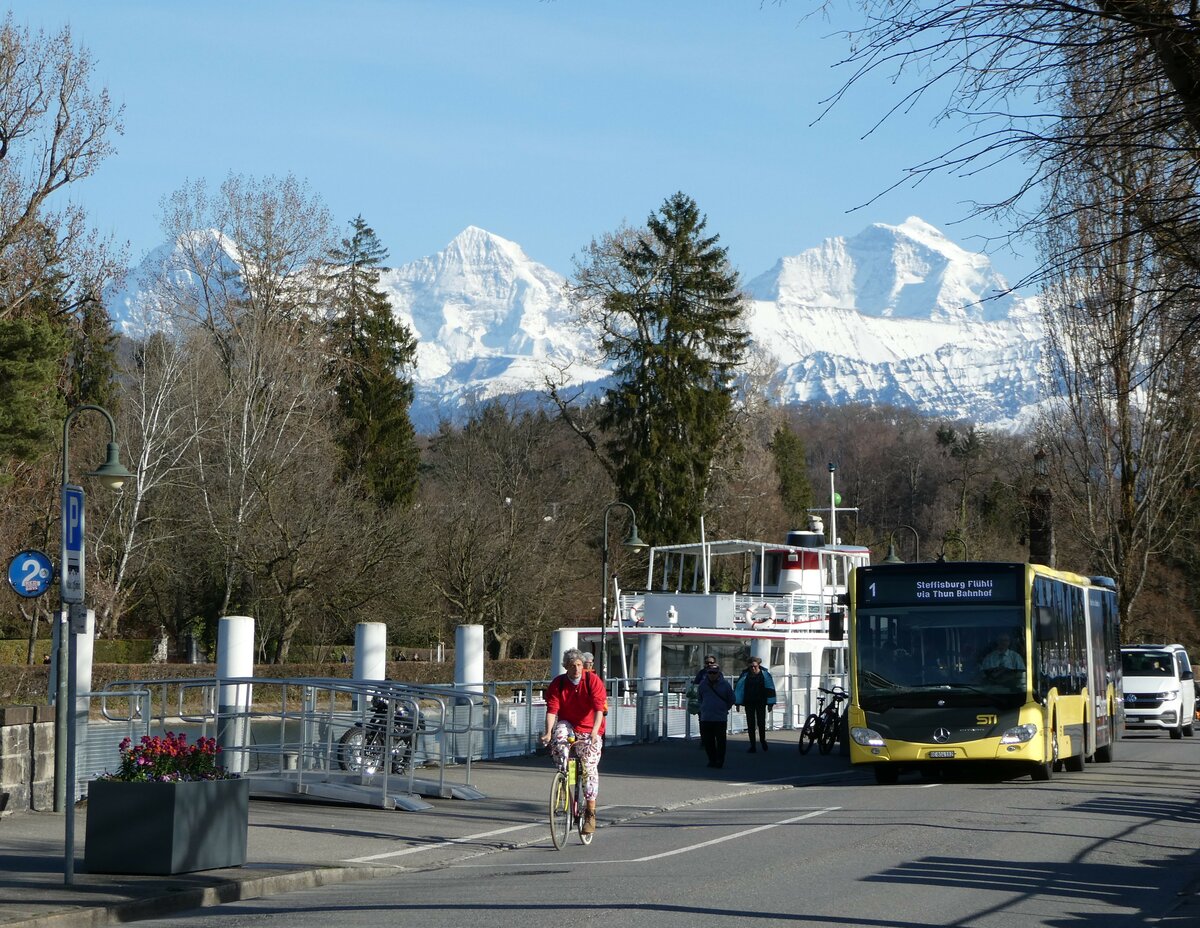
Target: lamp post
[(633, 543), (71, 597), (1041, 513), (892, 557), (953, 536)]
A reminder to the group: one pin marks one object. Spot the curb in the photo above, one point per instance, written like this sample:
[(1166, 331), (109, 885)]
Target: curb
[(223, 892)]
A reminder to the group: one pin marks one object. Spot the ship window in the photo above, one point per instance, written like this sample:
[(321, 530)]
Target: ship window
[(771, 566)]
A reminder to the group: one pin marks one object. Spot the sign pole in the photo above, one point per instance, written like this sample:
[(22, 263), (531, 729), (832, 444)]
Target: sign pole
[(71, 588)]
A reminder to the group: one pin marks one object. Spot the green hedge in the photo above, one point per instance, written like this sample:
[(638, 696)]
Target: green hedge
[(22, 684), (104, 651)]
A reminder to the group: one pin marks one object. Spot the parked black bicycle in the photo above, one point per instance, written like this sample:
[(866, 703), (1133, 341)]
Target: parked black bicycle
[(362, 746), (821, 728)]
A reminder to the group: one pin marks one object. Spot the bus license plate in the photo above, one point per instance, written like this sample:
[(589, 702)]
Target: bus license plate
[(940, 755)]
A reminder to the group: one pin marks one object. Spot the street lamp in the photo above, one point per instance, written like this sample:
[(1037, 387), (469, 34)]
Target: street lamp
[(71, 597), (633, 543), (892, 557), (956, 537)]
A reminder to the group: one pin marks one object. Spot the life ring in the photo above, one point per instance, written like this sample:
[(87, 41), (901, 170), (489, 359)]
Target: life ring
[(768, 619), (635, 617)]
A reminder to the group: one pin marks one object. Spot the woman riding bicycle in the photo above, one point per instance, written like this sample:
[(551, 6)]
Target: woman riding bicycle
[(575, 703)]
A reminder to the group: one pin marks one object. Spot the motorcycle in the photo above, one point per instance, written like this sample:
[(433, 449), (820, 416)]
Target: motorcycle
[(361, 747)]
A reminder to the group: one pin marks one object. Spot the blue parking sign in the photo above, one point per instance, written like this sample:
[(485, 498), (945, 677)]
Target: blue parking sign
[(71, 576)]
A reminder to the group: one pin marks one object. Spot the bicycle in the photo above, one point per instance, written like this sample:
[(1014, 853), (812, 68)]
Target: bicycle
[(566, 798), (821, 727)]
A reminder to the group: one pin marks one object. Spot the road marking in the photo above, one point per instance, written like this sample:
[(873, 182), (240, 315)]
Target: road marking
[(544, 823), (593, 862), (449, 843), (736, 835)]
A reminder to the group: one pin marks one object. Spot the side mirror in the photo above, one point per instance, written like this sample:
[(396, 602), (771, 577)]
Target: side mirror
[(837, 626)]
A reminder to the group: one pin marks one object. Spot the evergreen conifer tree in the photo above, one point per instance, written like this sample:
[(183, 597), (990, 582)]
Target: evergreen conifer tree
[(33, 342), (372, 349), (795, 489), (93, 357), (31, 404), (671, 313)]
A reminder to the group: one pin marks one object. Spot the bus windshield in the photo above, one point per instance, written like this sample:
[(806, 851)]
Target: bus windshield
[(909, 650)]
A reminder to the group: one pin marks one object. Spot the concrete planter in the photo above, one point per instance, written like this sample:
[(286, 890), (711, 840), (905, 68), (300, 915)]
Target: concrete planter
[(164, 828)]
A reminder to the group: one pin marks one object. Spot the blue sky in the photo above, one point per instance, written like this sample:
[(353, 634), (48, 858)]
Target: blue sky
[(548, 123)]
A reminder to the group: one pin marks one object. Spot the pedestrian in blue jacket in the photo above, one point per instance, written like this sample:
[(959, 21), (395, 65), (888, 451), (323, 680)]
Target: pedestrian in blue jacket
[(755, 692)]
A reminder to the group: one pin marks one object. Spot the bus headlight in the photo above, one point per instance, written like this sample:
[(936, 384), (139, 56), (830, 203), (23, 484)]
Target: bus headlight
[(1019, 735), (867, 737)]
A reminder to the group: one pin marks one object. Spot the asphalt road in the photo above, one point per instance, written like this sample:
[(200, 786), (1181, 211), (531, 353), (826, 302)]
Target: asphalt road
[(1113, 846)]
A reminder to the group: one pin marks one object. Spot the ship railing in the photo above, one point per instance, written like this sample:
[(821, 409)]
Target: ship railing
[(806, 611)]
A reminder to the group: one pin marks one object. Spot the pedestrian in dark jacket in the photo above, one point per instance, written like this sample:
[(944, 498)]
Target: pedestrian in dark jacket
[(755, 692), (716, 699)]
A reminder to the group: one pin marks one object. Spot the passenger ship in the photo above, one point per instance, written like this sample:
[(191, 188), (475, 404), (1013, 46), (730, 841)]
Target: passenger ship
[(783, 617)]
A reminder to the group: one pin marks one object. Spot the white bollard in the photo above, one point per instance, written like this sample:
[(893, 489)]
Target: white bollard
[(468, 657), (561, 641), (370, 653), (82, 648), (235, 659), (468, 675)]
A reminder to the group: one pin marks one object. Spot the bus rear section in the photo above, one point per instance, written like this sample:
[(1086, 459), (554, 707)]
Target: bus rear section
[(967, 662)]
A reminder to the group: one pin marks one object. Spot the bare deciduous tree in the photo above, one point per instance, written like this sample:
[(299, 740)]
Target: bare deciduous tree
[(242, 273), (1122, 428), (510, 507), (157, 442), (54, 131), (1012, 73)]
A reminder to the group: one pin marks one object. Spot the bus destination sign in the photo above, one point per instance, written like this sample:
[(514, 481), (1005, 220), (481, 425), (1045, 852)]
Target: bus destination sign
[(987, 586)]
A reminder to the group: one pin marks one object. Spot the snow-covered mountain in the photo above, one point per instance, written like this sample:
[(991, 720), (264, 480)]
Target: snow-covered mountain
[(900, 315), (896, 314), (489, 322)]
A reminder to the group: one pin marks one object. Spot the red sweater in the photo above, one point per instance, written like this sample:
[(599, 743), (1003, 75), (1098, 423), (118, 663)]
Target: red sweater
[(577, 703)]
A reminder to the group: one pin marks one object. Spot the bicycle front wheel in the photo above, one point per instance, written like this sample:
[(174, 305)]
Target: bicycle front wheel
[(809, 733), (560, 809), (829, 733)]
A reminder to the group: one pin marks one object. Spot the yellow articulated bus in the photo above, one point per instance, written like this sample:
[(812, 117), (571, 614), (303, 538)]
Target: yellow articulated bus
[(964, 662)]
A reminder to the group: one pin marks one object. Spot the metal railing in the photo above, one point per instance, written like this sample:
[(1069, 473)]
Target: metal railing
[(291, 731)]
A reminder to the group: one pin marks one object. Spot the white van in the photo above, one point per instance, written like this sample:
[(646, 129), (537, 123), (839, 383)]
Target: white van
[(1159, 692)]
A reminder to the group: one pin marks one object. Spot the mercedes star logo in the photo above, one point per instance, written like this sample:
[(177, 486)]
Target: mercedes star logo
[(942, 735)]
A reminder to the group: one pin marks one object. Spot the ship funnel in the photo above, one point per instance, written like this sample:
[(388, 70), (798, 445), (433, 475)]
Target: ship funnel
[(812, 537)]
